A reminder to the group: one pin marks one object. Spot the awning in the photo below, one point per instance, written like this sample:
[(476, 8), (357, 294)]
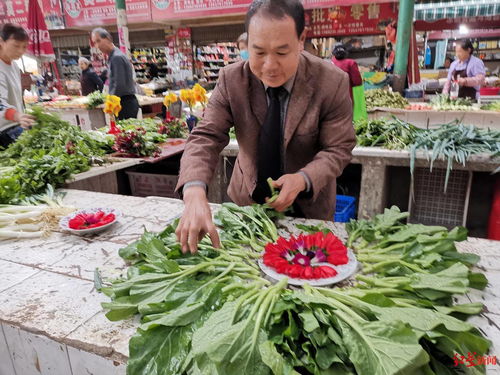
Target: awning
[(434, 11)]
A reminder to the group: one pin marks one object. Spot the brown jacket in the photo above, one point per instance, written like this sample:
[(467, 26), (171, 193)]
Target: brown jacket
[(318, 136)]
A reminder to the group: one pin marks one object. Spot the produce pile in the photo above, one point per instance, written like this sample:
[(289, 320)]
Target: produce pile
[(443, 102), (138, 138), (95, 99), (390, 133), (493, 106), (213, 312), (452, 142), (35, 216), (48, 154), (384, 98)]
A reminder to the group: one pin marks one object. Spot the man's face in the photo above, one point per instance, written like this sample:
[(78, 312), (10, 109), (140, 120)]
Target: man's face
[(274, 48), (104, 44), (13, 49)]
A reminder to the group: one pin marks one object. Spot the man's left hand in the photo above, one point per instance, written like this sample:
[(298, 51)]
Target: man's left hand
[(461, 81), (290, 186)]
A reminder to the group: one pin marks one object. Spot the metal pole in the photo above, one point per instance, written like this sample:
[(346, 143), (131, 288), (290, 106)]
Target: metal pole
[(121, 21), (404, 33)]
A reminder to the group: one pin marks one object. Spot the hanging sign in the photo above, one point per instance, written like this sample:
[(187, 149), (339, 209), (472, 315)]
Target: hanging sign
[(101, 12), (16, 11), (357, 19)]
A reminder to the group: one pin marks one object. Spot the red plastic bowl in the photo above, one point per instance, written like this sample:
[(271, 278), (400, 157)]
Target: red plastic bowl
[(486, 91)]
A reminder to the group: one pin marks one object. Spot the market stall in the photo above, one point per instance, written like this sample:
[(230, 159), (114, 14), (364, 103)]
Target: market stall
[(51, 317)]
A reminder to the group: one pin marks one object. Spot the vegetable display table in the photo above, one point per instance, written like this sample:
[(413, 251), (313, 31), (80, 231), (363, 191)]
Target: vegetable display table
[(374, 161), (50, 315), (424, 118)]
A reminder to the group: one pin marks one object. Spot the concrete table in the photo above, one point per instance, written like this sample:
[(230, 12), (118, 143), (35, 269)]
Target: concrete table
[(374, 183), (422, 119), (51, 321)]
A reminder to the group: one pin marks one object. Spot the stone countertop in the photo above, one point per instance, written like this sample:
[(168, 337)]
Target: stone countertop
[(47, 287)]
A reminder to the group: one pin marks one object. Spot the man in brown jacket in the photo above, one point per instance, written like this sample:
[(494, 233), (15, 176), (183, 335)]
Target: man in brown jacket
[(300, 134)]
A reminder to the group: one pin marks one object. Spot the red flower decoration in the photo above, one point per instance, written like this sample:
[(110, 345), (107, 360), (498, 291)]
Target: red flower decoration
[(88, 221), (304, 257)]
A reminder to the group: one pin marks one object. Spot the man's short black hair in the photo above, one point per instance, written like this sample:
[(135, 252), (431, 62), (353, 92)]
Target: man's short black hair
[(103, 33), (16, 32), (278, 9)]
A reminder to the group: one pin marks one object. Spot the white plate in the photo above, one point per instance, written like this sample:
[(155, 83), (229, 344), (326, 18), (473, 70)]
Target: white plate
[(343, 272), (64, 222)]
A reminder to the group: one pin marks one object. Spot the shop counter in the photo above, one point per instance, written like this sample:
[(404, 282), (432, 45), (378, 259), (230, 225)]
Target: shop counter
[(51, 319)]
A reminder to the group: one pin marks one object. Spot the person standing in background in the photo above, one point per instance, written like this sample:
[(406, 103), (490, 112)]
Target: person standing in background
[(243, 46), (120, 73), (13, 120), (467, 70), (340, 60), (89, 79)]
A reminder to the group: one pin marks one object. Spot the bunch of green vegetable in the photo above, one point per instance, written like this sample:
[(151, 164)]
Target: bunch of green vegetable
[(212, 312), (493, 106), (150, 126), (443, 102), (454, 142), (384, 98), (49, 153), (388, 133), (95, 99)]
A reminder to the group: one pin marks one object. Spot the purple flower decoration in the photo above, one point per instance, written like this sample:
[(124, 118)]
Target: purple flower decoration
[(319, 256), (301, 260)]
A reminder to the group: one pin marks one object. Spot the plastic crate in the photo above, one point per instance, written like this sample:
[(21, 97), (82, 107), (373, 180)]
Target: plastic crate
[(345, 209), (147, 184)]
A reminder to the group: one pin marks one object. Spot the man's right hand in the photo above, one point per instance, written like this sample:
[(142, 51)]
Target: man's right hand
[(196, 220), (24, 120)]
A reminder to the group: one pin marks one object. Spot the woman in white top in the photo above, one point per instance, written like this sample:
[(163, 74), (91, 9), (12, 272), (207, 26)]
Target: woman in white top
[(13, 44)]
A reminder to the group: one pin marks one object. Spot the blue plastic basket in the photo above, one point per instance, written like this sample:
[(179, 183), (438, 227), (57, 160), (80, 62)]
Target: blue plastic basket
[(345, 208)]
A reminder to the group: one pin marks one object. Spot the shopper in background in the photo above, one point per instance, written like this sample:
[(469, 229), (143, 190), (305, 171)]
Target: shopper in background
[(243, 46), (152, 71), (340, 60), (120, 73), (293, 121), (467, 70), (13, 45), (89, 79)]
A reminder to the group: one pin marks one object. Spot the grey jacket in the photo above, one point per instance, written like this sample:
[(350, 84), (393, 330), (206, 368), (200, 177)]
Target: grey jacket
[(121, 77)]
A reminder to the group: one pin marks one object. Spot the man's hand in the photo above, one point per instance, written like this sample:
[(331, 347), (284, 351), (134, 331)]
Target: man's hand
[(196, 221), (290, 186), (461, 81), (24, 120)]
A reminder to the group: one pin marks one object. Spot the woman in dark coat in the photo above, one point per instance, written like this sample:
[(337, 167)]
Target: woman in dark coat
[(89, 79)]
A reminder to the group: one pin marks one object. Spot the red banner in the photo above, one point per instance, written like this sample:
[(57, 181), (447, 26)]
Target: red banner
[(173, 9), (358, 19), (16, 11), (98, 12)]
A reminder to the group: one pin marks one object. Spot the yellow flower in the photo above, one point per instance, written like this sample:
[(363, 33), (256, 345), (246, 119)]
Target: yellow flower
[(112, 105), (169, 99), (188, 97), (199, 89)]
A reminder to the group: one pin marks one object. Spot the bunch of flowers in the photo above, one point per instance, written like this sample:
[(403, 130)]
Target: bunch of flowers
[(133, 143), (188, 96), (88, 221), (307, 256), (112, 107), (200, 95), (169, 99)]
